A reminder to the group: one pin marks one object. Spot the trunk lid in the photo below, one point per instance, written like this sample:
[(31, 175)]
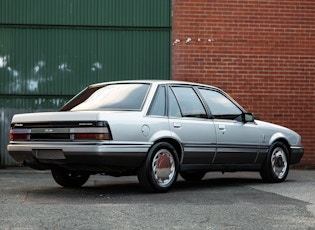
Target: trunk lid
[(59, 126)]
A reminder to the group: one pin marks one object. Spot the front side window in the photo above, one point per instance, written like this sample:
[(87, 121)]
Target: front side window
[(189, 103), (115, 97), (220, 105)]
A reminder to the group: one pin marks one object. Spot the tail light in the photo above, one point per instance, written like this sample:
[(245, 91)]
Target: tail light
[(19, 134), (95, 133)]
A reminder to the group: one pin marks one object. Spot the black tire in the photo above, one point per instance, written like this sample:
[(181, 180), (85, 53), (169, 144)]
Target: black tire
[(160, 169), (193, 176), (67, 178), (276, 166)]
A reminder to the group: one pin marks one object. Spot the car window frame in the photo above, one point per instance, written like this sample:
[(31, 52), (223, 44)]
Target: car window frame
[(170, 91), (206, 116), (237, 117)]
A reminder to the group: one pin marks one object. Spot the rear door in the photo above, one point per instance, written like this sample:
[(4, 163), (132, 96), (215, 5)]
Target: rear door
[(190, 124)]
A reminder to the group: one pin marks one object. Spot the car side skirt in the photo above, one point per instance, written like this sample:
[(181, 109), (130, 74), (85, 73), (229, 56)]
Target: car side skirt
[(221, 167)]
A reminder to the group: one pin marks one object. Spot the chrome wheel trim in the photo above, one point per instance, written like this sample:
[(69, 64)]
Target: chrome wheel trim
[(279, 162), (163, 167)]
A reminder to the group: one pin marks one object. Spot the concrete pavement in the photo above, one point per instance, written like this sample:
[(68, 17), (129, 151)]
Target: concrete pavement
[(30, 199)]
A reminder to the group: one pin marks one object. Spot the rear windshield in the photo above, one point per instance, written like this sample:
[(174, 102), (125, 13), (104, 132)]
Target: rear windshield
[(112, 97)]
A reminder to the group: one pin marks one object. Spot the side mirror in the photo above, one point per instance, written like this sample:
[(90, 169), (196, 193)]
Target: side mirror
[(248, 117)]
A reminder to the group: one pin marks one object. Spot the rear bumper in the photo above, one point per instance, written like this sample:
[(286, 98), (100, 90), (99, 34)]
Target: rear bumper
[(126, 155), (296, 154)]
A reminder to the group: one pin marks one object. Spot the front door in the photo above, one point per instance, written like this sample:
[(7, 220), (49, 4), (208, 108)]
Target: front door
[(237, 141)]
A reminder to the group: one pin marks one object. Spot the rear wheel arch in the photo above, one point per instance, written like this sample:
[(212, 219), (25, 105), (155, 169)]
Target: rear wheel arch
[(69, 178), (176, 145), (160, 169)]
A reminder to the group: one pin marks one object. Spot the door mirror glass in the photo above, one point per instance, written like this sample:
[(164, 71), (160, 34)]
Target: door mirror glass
[(248, 117)]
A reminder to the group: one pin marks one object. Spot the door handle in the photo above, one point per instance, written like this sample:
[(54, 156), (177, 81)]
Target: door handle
[(222, 127), (177, 125)]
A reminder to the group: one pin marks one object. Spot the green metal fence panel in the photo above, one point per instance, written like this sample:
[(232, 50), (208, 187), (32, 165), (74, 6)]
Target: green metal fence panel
[(50, 50), (139, 13), (38, 102), (63, 61)]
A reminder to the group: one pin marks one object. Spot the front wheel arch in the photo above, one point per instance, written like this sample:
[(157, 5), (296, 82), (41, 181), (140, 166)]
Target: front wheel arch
[(276, 166), (286, 143)]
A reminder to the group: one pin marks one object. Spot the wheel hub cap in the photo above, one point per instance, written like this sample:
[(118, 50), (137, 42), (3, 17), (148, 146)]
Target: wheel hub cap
[(279, 162), (163, 167)]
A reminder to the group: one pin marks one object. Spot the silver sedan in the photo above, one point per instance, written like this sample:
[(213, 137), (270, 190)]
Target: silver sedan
[(155, 130)]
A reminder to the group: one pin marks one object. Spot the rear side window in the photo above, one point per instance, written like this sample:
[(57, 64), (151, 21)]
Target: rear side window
[(115, 97), (189, 103), (158, 106), (219, 104), (173, 107)]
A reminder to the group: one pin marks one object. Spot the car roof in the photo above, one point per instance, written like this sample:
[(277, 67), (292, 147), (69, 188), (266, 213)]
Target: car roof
[(156, 82)]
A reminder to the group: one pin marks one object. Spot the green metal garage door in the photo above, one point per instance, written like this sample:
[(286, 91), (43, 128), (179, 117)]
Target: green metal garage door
[(50, 50)]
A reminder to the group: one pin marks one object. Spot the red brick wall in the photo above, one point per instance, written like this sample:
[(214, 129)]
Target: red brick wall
[(260, 52)]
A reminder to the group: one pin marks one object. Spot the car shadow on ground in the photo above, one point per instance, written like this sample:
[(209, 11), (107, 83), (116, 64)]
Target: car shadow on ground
[(97, 191), (214, 191), (133, 187)]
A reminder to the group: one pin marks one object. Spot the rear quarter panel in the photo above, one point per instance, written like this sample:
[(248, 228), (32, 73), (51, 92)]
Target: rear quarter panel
[(134, 127)]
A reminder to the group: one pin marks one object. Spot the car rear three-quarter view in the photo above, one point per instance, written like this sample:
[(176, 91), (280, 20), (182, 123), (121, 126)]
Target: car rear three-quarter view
[(155, 130)]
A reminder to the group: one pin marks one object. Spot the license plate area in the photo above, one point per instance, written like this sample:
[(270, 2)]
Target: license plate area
[(49, 154)]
